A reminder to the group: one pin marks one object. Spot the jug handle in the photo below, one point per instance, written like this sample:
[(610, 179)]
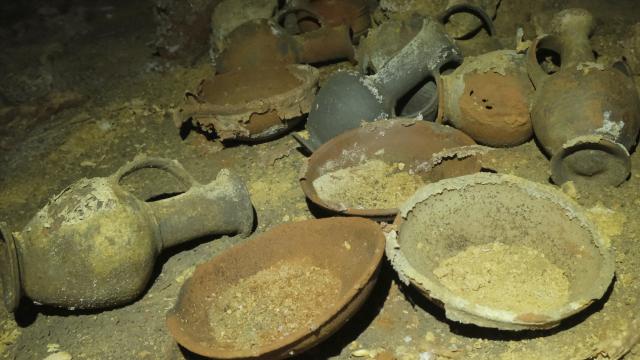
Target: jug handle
[(280, 16), (471, 9), (536, 74), (173, 167), (624, 68)]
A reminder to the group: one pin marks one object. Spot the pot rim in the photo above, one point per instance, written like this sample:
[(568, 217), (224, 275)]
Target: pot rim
[(559, 173), (368, 275), (457, 307), (377, 214)]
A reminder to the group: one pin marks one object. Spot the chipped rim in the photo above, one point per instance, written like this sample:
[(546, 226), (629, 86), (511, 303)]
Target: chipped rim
[(460, 309), (308, 76), (377, 214)]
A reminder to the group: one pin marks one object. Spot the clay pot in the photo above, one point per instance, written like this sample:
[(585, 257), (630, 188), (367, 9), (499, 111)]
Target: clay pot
[(350, 248), (349, 98), (586, 116), (263, 43), (415, 144), (253, 104), (353, 13), (444, 218), (488, 98), (94, 245)]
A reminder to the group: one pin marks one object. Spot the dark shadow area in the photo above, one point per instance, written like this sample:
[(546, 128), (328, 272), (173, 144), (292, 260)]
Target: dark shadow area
[(187, 127), (473, 331), (401, 104), (550, 61)]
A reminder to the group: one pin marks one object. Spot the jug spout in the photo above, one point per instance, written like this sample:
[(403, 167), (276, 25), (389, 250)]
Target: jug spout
[(574, 27), (221, 207), (592, 157), (424, 55), (327, 43)]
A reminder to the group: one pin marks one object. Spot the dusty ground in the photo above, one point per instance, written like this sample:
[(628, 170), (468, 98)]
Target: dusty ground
[(116, 105)]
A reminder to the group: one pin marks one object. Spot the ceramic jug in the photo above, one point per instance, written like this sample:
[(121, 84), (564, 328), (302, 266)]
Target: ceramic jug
[(94, 244), (349, 97), (356, 14), (262, 42), (586, 116)]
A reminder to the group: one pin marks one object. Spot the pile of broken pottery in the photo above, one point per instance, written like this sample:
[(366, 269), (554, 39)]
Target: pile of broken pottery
[(397, 147)]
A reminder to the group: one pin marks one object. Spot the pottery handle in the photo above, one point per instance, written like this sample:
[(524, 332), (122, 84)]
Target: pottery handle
[(537, 75), (471, 9), (422, 56), (173, 167), (285, 18)]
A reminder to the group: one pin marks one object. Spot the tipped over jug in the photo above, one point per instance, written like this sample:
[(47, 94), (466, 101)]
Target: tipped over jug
[(348, 97), (94, 245), (586, 116)]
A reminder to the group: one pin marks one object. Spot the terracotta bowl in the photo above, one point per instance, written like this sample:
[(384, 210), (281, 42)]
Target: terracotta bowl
[(445, 218), (350, 248), (414, 143)]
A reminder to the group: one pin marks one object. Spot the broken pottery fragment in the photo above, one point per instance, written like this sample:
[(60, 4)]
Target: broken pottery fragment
[(586, 115), (94, 245), (488, 98), (252, 104)]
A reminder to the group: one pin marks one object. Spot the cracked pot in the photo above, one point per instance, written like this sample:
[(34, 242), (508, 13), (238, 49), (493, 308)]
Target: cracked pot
[(94, 245), (423, 148), (252, 104), (586, 115)]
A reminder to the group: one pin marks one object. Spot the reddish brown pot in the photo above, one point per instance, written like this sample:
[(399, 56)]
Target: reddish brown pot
[(586, 116), (488, 98), (260, 43), (252, 104), (422, 146), (353, 13), (351, 248)]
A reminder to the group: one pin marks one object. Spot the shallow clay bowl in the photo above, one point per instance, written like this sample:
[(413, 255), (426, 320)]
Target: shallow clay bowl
[(445, 218), (409, 141), (351, 248)]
